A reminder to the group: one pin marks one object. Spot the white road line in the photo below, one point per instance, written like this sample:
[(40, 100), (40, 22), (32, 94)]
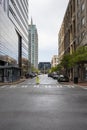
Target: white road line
[(49, 86), (36, 86), (57, 86), (69, 86), (60, 86), (46, 86), (24, 86), (72, 86), (13, 86)]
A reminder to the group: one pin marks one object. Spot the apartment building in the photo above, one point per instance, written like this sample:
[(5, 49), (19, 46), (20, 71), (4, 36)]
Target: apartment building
[(74, 34), (61, 43), (54, 61)]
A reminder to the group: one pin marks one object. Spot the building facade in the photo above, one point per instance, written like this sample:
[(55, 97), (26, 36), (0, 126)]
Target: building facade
[(61, 43), (13, 32), (33, 45), (54, 61), (44, 67), (74, 34)]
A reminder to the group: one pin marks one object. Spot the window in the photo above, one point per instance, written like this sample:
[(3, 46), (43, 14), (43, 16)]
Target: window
[(79, 39), (82, 7), (78, 14), (83, 21), (82, 34), (11, 10), (0, 2), (13, 2), (78, 2)]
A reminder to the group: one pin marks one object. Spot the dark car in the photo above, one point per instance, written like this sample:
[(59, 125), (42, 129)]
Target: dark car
[(49, 74), (30, 75), (55, 76), (63, 78)]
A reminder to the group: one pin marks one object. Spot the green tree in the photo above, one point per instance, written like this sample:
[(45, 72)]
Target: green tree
[(54, 69), (80, 55)]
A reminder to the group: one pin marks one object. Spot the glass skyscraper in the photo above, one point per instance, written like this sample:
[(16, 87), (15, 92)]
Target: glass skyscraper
[(33, 45), (13, 31), (13, 38)]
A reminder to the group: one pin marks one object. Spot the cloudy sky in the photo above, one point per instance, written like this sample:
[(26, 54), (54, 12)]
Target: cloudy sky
[(47, 15)]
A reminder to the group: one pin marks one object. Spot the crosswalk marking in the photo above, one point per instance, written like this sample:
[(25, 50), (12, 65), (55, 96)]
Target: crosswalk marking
[(46, 86), (73, 86), (24, 86), (36, 86), (60, 86), (41, 86), (49, 86), (13, 86), (69, 86), (53, 86)]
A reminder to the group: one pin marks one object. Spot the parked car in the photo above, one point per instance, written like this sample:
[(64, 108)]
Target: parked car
[(49, 74), (55, 76), (30, 75), (63, 78)]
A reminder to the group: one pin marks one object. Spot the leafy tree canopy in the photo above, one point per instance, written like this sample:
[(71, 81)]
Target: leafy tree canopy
[(78, 56)]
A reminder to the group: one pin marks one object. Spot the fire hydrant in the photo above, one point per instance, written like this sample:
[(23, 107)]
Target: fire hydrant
[(37, 80)]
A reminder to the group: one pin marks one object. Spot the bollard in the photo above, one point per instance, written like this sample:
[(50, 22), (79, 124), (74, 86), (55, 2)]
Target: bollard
[(37, 80)]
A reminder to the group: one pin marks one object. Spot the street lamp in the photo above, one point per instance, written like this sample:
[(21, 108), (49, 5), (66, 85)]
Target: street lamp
[(44, 68)]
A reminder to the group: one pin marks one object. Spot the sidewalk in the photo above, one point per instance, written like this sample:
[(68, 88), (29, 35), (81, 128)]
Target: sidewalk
[(12, 83), (83, 84)]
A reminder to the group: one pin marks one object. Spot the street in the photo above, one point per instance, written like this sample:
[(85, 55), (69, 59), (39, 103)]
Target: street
[(46, 106)]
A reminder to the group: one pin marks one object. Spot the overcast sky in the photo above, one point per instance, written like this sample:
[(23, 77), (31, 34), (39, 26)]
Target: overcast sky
[(47, 15)]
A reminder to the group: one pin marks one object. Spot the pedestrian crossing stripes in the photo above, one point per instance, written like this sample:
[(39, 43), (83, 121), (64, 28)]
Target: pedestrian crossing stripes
[(54, 86), (41, 86), (24, 86)]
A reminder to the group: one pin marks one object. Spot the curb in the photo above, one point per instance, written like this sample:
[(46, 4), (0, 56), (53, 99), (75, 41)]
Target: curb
[(77, 85), (11, 83)]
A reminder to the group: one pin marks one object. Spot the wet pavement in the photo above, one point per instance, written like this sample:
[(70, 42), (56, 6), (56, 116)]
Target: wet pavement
[(46, 106)]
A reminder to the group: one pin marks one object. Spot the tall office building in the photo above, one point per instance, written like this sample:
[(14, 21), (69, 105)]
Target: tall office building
[(33, 45), (44, 67), (13, 32)]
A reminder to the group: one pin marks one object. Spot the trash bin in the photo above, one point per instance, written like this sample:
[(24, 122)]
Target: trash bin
[(76, 80)]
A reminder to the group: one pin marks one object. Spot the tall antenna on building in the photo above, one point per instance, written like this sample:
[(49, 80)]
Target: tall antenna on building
[(31, 21)]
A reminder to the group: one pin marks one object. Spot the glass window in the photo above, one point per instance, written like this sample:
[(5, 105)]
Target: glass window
[(83, 21), (82, 7), (78, 2), (82, 34), (0, 2)]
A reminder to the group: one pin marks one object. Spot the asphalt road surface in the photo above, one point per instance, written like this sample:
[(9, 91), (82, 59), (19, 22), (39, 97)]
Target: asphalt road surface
[(47, 106)]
